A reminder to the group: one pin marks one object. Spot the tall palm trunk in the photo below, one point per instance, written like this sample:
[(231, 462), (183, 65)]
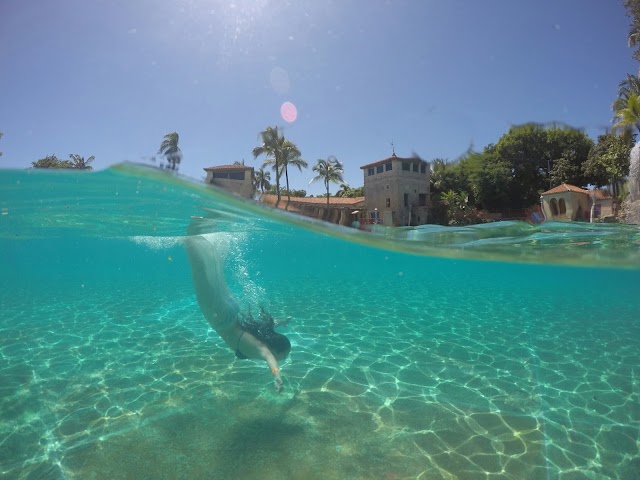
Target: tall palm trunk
[(286, 175), (326, 183), (277, 180)]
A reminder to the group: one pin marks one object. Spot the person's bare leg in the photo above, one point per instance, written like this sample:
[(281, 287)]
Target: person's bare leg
[(207, 270), (216, 303)]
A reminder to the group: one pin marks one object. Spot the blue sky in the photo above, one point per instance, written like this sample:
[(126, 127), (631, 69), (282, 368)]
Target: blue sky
[(110, 78)]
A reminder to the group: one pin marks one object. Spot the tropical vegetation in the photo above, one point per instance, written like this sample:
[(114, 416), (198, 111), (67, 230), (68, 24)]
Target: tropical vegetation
[(80, 162), (329, 171), (170, 149), (291, 156), (271, 147), (77, 162), (262, 180), (608, 161), (280, 154), (347, 192), (511, 174), (633, 38), (289, 193), (627, 115)]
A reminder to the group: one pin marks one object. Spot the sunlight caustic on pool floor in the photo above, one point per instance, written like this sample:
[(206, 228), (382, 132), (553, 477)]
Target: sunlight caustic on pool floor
[(135, 386)]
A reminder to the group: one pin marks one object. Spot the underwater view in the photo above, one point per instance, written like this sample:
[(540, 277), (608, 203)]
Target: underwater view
[(499, 351)]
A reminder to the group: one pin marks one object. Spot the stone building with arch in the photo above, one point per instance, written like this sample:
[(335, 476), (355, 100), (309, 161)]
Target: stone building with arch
[(567, 202)]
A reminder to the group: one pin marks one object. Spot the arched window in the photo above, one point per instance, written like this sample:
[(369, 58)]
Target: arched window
[(562, 206), (554, 207)]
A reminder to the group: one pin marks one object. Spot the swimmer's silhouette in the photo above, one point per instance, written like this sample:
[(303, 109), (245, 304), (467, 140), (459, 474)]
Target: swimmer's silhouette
[(247, 336)]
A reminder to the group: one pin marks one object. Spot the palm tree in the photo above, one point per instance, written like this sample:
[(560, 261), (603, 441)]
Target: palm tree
[(80, 162), (329, 170), (272, 144), (344, 191), (628, 116), (627, 87), (170, 149), (290, 156), (262, 180)]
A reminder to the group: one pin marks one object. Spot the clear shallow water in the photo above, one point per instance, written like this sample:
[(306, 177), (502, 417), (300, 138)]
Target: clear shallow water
[(425, 365)]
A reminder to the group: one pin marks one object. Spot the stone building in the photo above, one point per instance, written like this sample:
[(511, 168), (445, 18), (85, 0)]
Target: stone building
[(234, 178), (568, 202), (397, 191)]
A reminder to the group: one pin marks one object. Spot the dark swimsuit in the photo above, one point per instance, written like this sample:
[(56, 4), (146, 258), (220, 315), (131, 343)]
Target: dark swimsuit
[(239, 354)]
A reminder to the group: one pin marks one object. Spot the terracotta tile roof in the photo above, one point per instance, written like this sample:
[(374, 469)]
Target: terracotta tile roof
[(601, 194), (333, 201), (227, 168), (566, 187), (388, 159)]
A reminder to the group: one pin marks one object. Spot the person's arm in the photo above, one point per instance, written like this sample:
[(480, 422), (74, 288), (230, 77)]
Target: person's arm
[(254, 348), (268, 357)]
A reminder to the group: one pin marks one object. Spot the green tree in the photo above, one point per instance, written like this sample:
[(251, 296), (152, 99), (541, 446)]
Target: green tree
[(489, 180), (171, 150), (289, 155), (523, 148), (628, 114), (329, 171), (347, 192), (80, 162), (608, 161), (457, 208), (294, 193), (629, 86), (271, 148), (51, 161), (344, 189), (532, 151), (446, 175), (633, 38), (567, 150), (262, 180)]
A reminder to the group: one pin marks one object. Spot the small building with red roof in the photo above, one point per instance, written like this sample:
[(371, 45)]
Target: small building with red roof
[(568, 202)]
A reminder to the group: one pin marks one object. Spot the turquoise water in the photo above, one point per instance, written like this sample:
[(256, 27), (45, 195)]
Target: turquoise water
[(503, 351)]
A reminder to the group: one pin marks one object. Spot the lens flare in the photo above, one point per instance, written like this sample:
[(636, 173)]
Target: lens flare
[(289, 112)]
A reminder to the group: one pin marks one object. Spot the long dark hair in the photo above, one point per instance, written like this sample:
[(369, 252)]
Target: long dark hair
[(264, 330)]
